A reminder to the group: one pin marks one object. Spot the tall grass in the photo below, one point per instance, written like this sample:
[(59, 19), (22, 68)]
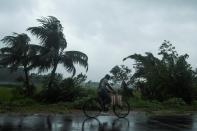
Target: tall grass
[(5, 93)]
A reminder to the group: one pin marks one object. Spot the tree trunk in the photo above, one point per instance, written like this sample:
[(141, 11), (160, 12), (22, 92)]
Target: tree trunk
[(52, 76), (29, 93)]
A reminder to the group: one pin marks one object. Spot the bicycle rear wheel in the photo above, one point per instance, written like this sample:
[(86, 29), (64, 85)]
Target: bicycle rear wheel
[(121, 110), (92, 108)]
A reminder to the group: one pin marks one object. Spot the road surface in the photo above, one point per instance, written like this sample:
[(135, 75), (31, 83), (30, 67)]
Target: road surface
[(136, 121)]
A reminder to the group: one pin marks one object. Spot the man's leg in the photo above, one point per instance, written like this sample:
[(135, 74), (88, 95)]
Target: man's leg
[(102, 99), (107, 100)]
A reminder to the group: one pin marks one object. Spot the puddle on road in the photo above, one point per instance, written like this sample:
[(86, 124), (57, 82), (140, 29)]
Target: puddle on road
[(134, 122)]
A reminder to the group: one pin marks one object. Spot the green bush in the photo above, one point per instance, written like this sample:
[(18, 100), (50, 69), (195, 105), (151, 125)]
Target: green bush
[(90, 91), (140, 103), (194, 103), (18, 92), (78, 103), (24, 102), (5, 94), (174, 102), (137, 94), (67, 90)]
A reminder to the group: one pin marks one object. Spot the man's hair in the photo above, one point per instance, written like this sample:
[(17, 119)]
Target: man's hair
[(107, 76)]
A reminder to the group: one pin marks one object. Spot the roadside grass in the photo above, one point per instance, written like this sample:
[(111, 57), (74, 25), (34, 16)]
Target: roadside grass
[(157, 107), (21, 104), (5, 93), (35, 108)]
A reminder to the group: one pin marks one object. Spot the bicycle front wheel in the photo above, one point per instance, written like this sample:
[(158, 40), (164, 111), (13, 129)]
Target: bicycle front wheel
[(121, 110), (92, 108)]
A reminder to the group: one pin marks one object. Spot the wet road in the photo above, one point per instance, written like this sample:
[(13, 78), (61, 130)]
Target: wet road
[(78, 122)]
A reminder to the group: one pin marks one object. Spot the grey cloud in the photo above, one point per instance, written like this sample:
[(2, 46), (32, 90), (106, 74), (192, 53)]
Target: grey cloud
[(110, 30), (16, 16), (13, 6)]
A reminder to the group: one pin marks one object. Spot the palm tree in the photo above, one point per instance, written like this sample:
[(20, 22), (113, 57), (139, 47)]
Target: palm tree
[(54, 44), (19, 52)]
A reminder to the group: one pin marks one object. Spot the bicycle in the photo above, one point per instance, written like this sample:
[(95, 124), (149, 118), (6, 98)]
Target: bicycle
[(93, 106)]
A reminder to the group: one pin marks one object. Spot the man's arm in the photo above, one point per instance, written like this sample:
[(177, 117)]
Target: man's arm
[(109, 86)]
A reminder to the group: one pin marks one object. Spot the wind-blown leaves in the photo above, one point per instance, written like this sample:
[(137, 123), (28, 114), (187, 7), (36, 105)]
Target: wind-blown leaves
[(170, 76), (16, 50), (6, 50), (50, 33), (78, 58), (74, 57), (19, 53)]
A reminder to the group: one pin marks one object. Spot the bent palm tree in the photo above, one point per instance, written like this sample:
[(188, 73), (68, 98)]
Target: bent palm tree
[(54, 43), (19, 53)]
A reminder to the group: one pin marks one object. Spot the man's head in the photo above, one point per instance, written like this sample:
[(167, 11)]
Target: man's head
[(107, 77)]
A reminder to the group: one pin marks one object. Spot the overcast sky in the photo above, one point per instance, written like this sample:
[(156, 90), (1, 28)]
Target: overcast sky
[(109, 30)]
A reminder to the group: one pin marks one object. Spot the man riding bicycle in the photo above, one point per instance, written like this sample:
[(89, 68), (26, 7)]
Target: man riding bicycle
[(104, 91)]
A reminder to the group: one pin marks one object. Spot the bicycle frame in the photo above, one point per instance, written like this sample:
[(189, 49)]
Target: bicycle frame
[(120, 108)]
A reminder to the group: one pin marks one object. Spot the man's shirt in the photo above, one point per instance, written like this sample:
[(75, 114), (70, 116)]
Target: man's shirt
[(103, 85)]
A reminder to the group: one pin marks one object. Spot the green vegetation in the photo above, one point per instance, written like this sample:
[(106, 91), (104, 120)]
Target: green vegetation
[(13, 101), (19, 52), (53, 43), (5, 93), (51, 52), (21, 104), (165, 78), (167, 83)]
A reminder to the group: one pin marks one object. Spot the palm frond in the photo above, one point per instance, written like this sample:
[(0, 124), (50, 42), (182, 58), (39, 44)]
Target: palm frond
[(68, 64), (34, 49), (7, 60), (127, 57), (40, 32), (50, 32), (76, 57), (9, 40), (6, 50)]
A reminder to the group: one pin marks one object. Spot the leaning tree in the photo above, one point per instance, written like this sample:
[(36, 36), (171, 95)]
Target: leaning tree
[(51, 36), (170, 76), (19, 53)]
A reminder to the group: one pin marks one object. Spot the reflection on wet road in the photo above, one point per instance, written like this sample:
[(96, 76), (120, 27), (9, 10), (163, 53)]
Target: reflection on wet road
[(78, 122)]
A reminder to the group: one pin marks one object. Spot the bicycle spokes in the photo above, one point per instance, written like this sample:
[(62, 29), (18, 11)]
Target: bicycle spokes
[(92, 108), (121, 110)]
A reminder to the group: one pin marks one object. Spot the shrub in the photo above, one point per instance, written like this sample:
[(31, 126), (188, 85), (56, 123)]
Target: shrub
[(194, 103), (23, 102), (174, 102), (140, 103), (5, 94), (67, 90), (78, 103), (137, 94)]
